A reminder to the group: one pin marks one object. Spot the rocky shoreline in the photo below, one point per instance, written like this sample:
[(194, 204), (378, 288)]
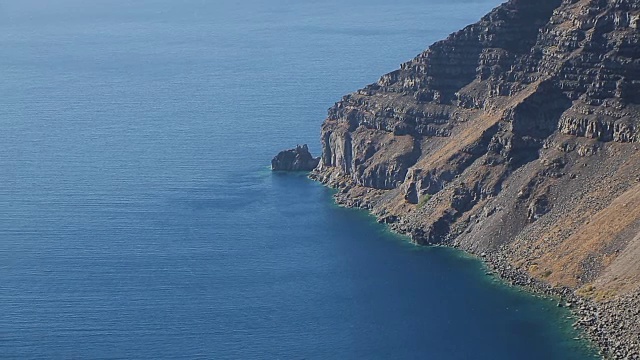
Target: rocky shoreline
[(602, 323), (516, 139)]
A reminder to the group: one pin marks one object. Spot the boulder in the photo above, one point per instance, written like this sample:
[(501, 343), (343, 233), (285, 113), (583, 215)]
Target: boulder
[(298, 159)]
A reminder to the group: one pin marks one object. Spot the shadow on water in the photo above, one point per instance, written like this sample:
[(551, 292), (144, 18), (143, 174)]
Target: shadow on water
[(235, 191)]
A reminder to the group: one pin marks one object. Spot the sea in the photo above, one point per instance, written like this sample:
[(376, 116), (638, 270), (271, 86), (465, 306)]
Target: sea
[(139, 218)]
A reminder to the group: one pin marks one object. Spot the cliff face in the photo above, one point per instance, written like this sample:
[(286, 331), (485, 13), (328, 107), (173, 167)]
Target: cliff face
[(516, 137)]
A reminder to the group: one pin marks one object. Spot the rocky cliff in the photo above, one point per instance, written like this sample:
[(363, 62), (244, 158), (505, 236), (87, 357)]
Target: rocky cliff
[(516, 138)]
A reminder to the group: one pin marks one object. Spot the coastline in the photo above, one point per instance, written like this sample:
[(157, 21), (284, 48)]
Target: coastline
[(514, 139), (599, 322)]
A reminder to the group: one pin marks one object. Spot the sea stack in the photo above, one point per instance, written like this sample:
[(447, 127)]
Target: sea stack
[(298, 159)]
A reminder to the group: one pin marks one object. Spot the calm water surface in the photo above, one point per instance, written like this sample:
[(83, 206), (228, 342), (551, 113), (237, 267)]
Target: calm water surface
[(138, 218)]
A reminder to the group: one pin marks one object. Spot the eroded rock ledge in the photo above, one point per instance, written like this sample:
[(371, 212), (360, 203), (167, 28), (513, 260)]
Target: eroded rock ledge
[(515, 139)]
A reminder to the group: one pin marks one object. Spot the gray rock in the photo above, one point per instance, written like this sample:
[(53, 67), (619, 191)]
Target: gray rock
[(298, 159)]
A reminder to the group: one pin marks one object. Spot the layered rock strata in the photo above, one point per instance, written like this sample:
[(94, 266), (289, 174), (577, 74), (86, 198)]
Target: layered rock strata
[(518, 138)]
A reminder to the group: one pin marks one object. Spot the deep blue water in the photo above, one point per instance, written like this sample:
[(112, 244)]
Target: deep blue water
[(138, 217)]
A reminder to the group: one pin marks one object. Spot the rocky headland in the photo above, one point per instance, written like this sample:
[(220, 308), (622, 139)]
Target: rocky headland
[(516, 139)]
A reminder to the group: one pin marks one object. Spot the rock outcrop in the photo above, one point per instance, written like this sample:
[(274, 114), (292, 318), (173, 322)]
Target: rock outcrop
[(298, 159), (515, 137)]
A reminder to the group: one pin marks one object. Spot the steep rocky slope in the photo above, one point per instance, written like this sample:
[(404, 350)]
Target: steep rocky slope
[(516, 138)]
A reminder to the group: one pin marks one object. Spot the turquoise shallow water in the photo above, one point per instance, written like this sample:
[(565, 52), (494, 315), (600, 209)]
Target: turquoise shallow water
[(138, 217)]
